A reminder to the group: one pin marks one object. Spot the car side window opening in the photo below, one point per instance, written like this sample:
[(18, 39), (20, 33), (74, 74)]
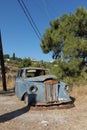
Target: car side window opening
[(21, 73), (40, 72), (34, 73), (30, 73)]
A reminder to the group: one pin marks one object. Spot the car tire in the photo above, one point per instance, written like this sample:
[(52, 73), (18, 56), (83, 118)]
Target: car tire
[(26, 99)]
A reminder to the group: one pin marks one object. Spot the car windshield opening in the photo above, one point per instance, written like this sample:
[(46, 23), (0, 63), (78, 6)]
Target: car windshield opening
[(34, 73)]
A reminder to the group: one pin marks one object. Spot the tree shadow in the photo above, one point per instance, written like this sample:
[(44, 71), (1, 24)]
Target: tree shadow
[(9, 92), (11, 115)]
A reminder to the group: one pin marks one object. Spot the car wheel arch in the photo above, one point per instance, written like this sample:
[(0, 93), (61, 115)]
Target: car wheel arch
[(22, 98), (25, 98)]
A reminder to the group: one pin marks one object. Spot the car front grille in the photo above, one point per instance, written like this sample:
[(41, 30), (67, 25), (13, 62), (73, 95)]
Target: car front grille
[(51, 91)]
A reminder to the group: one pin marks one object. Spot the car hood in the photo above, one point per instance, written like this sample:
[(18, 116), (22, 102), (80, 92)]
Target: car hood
[(42, 78)]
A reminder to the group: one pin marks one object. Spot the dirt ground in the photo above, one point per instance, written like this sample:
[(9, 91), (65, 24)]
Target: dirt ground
[(14, 115)]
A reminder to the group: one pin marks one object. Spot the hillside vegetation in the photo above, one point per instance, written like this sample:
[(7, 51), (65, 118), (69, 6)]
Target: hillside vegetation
[(78, 85), (66, 40)]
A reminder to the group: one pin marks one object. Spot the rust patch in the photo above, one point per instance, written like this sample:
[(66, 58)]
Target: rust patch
[(51, 91), (51, 82), (51, 107)]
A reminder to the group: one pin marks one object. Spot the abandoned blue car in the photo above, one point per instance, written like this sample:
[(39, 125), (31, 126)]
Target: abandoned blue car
[(36, 86)]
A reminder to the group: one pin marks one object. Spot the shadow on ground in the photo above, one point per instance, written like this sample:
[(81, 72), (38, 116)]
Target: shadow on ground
[(9, 92), (11, 115)]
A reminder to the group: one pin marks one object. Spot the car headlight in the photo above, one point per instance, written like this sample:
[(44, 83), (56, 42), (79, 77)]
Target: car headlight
[(33, 89), (67, 88)]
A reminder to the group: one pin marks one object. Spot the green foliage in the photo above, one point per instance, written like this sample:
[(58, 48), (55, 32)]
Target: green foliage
[(26, 62), (65, 32), (66, 39), (6, 56), (13, 56)]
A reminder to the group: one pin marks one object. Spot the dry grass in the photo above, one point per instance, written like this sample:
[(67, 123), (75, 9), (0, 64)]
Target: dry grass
[(78, 91), (0, 85), (9, 84)]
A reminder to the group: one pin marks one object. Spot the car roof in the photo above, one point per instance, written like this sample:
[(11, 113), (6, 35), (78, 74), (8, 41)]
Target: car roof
[(34, 68)]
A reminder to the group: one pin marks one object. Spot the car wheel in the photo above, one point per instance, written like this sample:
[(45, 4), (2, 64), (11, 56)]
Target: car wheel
[(26, 99)]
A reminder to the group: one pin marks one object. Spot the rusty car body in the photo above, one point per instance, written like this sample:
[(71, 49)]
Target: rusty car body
[(36, 86)]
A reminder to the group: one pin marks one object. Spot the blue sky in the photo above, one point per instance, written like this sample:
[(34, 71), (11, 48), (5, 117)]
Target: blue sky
[(17, 34)]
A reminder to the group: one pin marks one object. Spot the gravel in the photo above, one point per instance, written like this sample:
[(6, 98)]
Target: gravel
[(14, 115)]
